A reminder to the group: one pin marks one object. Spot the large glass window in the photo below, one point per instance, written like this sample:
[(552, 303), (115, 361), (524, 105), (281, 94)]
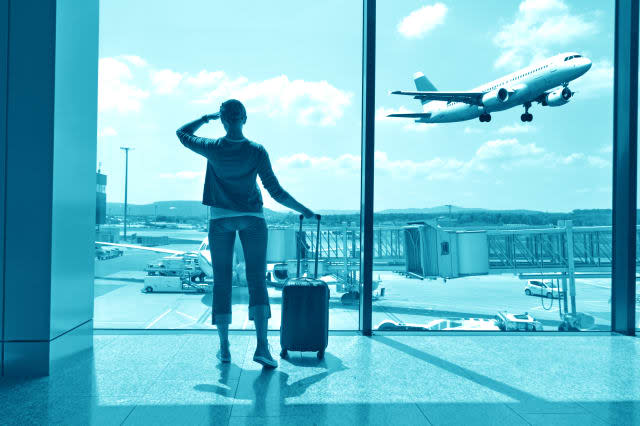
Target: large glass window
[(490, 215), (297, 68)]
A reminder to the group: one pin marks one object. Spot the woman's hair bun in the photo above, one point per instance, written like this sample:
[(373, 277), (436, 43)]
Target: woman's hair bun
[(232, 110)]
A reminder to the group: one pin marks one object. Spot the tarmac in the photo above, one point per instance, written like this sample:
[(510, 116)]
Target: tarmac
[(119, 302)]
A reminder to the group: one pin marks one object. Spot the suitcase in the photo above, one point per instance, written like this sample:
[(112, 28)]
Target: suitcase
[(304, 322)]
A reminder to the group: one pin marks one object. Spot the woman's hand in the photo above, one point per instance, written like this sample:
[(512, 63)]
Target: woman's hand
[(308, 213), (209, 117)]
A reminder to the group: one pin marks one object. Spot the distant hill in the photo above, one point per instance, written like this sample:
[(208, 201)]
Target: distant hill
[(454, 210), (191, 208), (177, 208), (430, 210), (336, 212), (460, 216)]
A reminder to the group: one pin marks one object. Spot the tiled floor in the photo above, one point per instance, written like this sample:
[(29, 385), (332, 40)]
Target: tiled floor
[(460, 380)]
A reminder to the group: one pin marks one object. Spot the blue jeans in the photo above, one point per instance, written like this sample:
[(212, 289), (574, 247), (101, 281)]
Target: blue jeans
[(222, 236)]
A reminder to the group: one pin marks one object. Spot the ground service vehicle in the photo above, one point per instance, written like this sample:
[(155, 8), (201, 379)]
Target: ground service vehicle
[(542, 288)]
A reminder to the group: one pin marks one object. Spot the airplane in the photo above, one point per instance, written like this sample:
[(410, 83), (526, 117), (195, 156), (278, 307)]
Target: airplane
[(546, 83), (204, 258)]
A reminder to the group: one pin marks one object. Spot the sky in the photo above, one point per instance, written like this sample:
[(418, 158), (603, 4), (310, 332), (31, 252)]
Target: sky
[(298, 70)]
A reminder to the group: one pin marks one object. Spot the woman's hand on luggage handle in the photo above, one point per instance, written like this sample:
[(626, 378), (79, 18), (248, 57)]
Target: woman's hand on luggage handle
[(308, 213)]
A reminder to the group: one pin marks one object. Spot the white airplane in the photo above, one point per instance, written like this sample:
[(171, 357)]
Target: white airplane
[(546, 83)]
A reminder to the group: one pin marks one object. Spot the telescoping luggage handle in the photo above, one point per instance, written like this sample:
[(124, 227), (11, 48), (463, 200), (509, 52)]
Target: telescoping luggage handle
[(299, 247)]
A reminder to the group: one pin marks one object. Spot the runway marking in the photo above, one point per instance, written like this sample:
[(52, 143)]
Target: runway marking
[(539, 308), (181, 326), (597, 285), (194, 319), (152, 323)]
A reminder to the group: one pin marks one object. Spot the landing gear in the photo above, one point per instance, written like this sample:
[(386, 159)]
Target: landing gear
[(485, 117), (526, 116)]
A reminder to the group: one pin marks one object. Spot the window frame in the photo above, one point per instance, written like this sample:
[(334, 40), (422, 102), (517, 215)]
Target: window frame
[(623, 272)]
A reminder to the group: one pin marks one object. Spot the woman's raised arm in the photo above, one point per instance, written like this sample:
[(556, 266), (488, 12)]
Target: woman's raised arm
[(187, 137)]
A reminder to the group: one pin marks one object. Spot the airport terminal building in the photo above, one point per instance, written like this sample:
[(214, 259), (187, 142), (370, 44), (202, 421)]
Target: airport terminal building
[(475, 257)]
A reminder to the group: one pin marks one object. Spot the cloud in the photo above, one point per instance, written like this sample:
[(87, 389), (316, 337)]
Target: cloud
[(115, 91), (539, 27), (107, 131), (421, 21), (490, 158), (344, 163), (598, 162), (206, 78), (313, 102), (184, 175), (606, 149), (408, 124), (599, 77), (572, 158), (501, 148), (165, 81), (516, 128), (135, 60), (472, 130), (350, 164)]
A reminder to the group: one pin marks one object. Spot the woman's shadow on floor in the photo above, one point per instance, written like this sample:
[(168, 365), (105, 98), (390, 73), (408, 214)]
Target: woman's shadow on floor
[(271, 387)]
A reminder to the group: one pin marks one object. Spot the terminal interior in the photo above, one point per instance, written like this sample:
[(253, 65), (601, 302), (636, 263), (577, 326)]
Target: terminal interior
[(479, 272)]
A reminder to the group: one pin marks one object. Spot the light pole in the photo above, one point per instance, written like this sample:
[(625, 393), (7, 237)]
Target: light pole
[(126, 150)]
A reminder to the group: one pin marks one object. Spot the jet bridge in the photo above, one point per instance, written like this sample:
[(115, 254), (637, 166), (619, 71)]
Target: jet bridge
[(432, 251)]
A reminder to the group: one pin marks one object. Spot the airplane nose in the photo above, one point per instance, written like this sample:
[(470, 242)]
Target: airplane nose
[(587, 64)]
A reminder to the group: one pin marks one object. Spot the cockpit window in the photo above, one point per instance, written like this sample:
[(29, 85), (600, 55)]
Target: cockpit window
[(568, 58)]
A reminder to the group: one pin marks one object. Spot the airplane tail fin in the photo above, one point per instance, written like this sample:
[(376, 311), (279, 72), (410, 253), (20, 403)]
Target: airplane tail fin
[(423, 84)]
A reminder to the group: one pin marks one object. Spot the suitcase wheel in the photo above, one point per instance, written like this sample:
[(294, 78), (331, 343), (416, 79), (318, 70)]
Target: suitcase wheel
[(283, 353), (320, 354)]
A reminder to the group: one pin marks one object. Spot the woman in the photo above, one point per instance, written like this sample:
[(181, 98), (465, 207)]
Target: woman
[(231, 191)]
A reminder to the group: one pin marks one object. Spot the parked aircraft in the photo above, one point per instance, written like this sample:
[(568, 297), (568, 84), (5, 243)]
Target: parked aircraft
[(546, 83), (204, 258)]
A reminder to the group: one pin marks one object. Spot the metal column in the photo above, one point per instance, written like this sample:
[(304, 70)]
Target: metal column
[(367, 154), (571, 266), (625, 156)]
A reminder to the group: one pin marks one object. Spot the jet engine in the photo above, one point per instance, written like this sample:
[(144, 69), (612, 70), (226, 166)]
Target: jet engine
[(558, 97), (495, 98)]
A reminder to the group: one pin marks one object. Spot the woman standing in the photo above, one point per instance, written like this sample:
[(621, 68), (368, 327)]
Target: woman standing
[(231, 191)]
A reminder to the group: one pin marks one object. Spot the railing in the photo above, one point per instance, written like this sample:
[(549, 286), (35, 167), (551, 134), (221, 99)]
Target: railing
[(546, 249), (515, 250), (340, 243)]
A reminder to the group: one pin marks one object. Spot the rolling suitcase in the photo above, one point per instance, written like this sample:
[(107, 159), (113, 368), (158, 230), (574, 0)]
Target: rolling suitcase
[(304, 323)]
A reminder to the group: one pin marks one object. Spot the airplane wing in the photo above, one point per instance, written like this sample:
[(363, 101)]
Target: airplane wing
[(472, 98), (412, 115), (133, 246)]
